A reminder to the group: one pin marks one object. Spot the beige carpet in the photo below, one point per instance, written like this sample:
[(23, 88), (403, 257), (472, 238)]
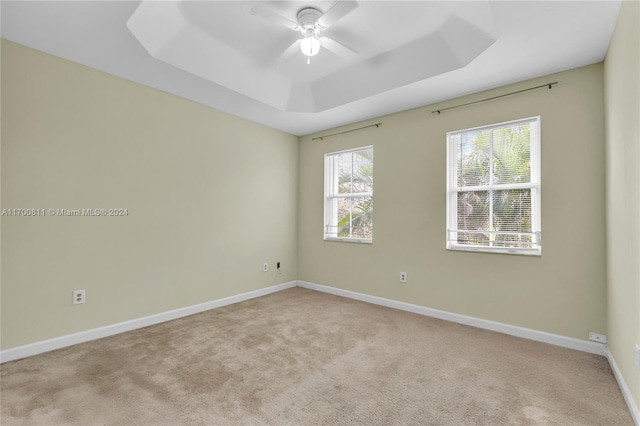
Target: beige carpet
[(299, 357)]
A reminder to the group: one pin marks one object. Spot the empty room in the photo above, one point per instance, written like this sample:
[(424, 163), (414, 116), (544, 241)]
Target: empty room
[(320, 212)]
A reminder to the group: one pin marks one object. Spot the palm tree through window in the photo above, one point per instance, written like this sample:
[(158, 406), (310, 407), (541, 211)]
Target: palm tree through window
[(493, 188)]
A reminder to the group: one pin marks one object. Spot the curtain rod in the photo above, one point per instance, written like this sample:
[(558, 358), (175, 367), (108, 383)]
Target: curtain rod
[(438, 111), (346, 131)]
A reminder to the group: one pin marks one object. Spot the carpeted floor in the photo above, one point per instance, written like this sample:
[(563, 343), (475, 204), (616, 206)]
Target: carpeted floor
[(300, 357)]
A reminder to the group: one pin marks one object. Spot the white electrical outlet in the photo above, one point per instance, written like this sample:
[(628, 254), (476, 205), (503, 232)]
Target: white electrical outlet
[(601, 338), (638, 356), (78, 297), (403, 277), (265, 267)]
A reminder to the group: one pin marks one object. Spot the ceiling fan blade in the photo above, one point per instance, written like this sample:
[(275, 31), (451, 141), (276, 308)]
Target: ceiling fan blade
[(272, 16), (291, 50), (336, 11), (338, 48)]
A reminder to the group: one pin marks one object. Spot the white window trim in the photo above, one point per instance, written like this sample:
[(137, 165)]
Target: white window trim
[(535, 185), (329, 181)]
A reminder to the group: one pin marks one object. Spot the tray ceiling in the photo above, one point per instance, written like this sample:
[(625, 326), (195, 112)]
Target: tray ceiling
[(407, 53)]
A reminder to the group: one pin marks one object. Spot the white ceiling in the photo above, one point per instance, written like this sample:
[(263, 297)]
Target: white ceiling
[(408, 53)]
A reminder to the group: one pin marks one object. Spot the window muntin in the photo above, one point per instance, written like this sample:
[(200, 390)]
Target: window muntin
[(493, 188), (348, 202)]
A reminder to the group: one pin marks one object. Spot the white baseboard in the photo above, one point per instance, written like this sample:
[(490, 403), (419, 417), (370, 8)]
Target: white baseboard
[(540, 336), (633, 407), (526, 333), (109, 330)]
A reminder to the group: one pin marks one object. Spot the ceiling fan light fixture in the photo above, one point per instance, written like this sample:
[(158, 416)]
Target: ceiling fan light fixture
[(310, 45)]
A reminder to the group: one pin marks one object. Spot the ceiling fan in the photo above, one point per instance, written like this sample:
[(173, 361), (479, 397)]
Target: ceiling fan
[(310, 23)]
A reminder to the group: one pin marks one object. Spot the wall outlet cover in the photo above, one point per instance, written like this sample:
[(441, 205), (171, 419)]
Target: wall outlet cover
[(600, 338), (78, 297)]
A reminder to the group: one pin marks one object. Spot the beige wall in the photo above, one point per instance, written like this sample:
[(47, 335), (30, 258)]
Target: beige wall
[(73, 137), (622, 108), (562, 292), (210, 198)]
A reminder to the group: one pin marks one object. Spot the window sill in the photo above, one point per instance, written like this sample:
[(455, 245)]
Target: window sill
[(349, 240), (496, 250)]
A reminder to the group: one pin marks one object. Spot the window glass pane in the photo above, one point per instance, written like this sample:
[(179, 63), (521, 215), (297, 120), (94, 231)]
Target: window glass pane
[(362, 217), (344, 217), (511, 154), (363, 171), (355, 217), (511, 216), (512, 210), (473, 158), (345, 162), (473, 215)]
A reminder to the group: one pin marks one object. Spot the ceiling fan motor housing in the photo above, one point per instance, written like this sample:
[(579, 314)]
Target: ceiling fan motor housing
[(308, 18)]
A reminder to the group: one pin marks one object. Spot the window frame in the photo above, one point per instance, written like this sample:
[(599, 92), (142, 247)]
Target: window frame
[(330, 169), (452, 191)]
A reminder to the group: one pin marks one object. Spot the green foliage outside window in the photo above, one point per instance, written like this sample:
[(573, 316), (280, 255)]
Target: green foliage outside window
[(495, 217)]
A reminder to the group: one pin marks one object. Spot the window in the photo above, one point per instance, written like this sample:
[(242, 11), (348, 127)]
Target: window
[(493, 188), (348, 195)]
